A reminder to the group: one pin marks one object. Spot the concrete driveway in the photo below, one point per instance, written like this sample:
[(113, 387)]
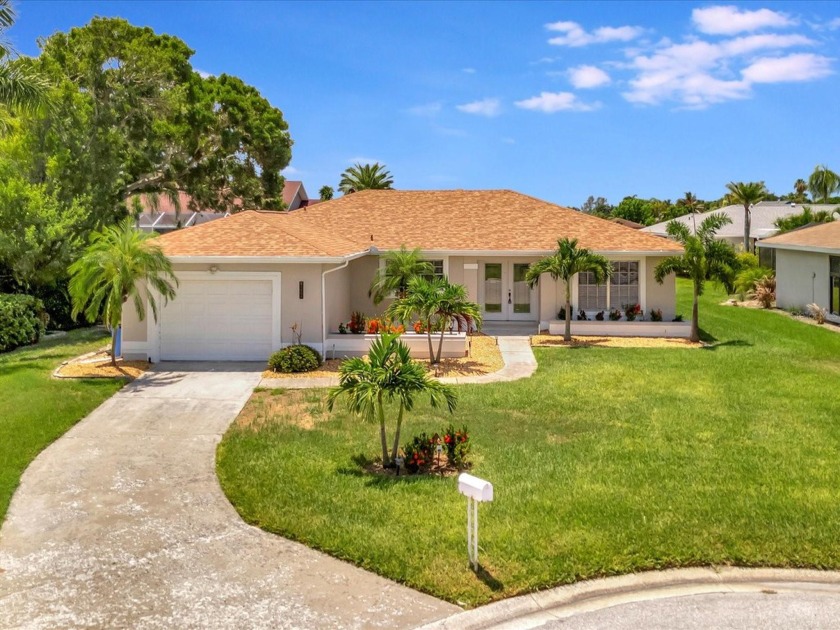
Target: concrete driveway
[(122, 523)]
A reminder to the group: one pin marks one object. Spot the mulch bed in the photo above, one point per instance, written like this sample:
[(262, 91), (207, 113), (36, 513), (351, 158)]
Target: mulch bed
[(548, 341), (98, 365)]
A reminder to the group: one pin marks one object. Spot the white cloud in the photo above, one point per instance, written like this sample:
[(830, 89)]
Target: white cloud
[(290, 171), (468, 70), (798, 67), (508, 140), (574, 35), (698, 73), (485, 107), (551, 102), (426, 110), (203, 73), (834, 24), (364, 160), (583, 77), (729, 20)]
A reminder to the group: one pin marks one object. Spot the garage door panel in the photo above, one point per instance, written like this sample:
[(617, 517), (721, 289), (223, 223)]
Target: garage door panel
[(217, 320)]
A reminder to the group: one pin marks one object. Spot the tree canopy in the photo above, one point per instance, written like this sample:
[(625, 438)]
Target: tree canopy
[(365, 177)]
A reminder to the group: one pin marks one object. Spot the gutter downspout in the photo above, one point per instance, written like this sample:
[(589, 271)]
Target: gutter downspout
[(324, 304)]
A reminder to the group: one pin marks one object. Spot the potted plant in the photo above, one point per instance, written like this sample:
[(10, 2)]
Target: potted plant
[(357, 323), (615, 314), (342, 329), (582, 316), (632, 311), (599, 316)]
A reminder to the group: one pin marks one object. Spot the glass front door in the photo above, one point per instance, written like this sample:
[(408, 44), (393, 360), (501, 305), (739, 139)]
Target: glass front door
[(507, 295), (835, 295)]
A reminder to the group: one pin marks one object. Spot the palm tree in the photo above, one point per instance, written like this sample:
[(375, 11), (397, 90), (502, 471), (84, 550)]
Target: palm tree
[(806, 217), (704, 258), (800, 187), (437, 303), (564, 264), (823, 183), (389, 374), (108, 273), (20, 89), (365, 177), (747, 194), (691, 203), (401, 266), (326, 193)]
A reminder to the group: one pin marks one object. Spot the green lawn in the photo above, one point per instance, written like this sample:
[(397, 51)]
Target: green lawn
[(36, 409), (606, 461)]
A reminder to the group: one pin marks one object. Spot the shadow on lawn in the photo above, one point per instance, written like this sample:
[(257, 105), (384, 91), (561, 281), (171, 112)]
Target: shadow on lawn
[(489, 580), (370, 470), (732, 343)]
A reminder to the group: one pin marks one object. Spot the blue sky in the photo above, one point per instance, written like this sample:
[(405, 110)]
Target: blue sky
[(557, 100)]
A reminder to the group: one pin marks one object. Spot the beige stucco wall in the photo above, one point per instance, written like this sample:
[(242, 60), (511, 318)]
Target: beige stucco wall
[(362, 271), (663, 296), (337, 290), (801, 278), (133, 330)]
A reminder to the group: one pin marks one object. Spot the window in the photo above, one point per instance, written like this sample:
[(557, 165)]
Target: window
[(622, 289), (624, 284), (834, 284), (592, 297), (767, 257), (438, 268)]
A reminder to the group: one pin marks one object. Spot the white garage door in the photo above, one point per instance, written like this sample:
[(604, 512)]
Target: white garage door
[(218, 320)]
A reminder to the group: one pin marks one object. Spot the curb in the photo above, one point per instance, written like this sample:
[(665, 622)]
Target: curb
[(536, 609)]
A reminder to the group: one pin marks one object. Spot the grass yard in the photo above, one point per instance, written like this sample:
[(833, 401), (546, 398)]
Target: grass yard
[(36, 409), (608, 460)]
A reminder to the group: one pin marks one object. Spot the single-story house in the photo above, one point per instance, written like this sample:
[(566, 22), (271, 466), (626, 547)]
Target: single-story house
[(246, 279), (763, 217), (808, 267)]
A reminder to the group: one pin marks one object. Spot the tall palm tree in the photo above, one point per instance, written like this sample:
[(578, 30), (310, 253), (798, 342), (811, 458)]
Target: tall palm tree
[(704, 258), (437, 303), (326, 193), (692, 204), (400, 267), (21, 89), (564, 264), (388, 375), (823, 183), (747, 194), (365, 177), (108, 273), (800, 187), (806, 217)]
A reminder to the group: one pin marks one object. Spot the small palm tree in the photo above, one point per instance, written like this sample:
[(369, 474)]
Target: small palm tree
[(806, 217), (823, 183), (747, 194), (705, 258), (388, 375), (401, 266), (365, 177), (107, 275), (800, 187), (326, 193), (564, 264), (438, 304), (692, 204)]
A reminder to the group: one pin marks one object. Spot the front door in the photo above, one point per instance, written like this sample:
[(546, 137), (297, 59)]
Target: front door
[(506, 295)]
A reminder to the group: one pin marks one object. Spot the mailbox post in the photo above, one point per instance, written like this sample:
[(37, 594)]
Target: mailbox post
[(477, 491)]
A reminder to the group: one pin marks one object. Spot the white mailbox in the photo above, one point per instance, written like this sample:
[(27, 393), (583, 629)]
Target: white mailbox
[(475, 488)]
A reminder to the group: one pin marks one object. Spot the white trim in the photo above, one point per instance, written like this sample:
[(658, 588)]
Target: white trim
[(277, 260), (490, 253), (153, 326), (470, 266), (833, 251)]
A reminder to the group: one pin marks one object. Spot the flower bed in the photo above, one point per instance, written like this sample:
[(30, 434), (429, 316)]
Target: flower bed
[(341, 345)]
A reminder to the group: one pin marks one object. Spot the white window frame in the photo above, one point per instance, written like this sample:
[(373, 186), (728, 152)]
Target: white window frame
[(642, 262)]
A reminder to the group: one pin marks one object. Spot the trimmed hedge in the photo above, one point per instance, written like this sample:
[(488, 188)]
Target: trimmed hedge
[(297, 358), (22, 320)]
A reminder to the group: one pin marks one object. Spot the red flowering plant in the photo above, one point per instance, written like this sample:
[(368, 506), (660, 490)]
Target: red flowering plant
[(419, 454), (373, 326), (457, 443), (632, 311)]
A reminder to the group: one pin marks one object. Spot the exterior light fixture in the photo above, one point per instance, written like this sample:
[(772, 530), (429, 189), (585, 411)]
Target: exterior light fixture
[(213, 269), (300, 290)]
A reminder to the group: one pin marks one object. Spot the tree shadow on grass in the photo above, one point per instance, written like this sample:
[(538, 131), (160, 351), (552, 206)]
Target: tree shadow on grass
[(489, 579), (732, 343), (370, 470)]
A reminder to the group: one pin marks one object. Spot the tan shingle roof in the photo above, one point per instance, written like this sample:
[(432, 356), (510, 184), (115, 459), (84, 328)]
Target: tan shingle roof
[(824, 237), (471, 220), (257, 233), (434, 220)]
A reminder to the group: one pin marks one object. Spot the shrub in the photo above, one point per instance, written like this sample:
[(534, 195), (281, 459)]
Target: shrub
[(677, 318), (457, 443), (599, 316), (561, 314), (746, 260), (373, 326), (631, 311), (615, 314), (817, 312), (765, 291), (342, 328), (419, 328), (745, 280), (582, 316), (22, 320), (297, 358), (655, 314), (421, 454)]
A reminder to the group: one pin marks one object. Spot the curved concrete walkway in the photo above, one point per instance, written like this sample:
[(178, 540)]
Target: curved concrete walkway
[(516, 353), (725, 597), (122, 523)]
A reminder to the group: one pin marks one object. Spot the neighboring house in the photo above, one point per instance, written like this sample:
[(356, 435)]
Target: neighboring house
[(165, 215), (808, 267), (762, 221), (627, 223), (247, 278)]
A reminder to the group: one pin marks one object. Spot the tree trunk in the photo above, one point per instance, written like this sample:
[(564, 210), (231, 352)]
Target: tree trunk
[(567, 334), (396, 448), (429, 338), (382, 437), (695, 326), (114, 346), (440, 345), (747, 221)]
